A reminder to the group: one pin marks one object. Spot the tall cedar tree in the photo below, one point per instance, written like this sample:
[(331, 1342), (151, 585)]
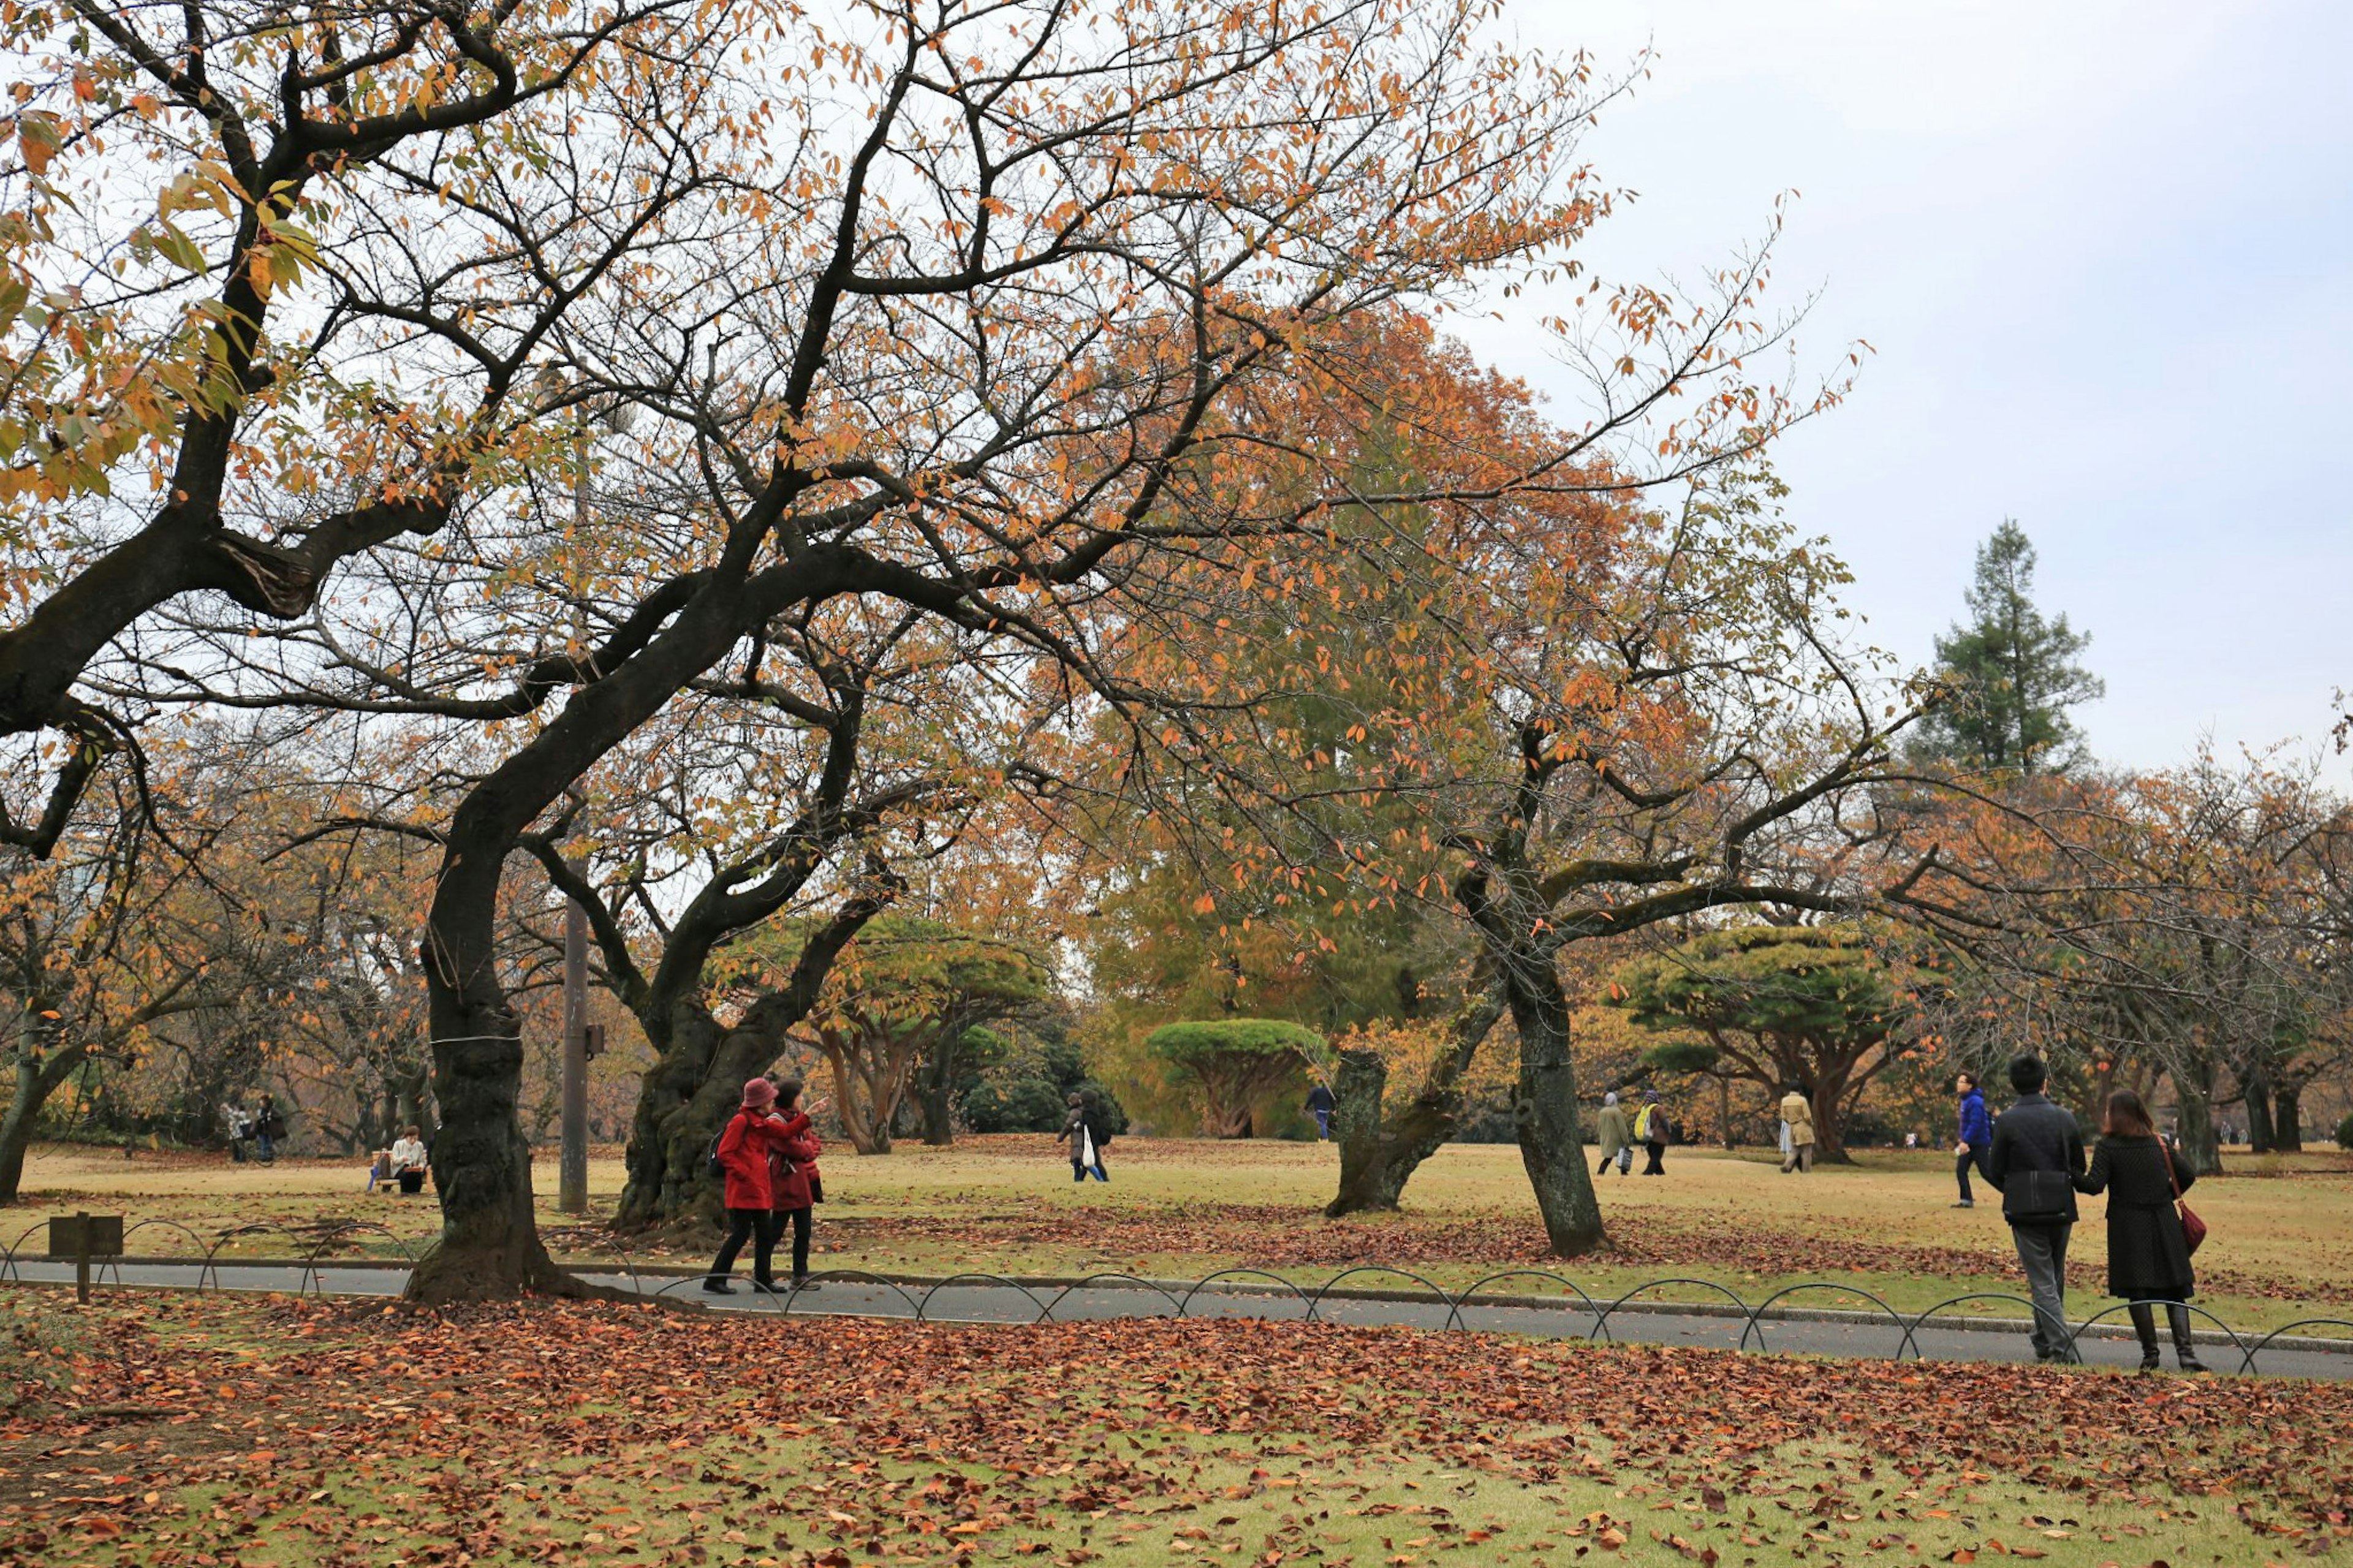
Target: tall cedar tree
[(2017, 669)]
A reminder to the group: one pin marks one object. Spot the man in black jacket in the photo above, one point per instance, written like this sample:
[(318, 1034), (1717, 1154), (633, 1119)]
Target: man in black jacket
[(2037, 1153)]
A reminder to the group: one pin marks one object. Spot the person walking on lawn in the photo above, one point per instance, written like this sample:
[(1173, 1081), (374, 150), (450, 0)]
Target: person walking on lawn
[(1097, 1128), (1976, 1136), (1617, 1141), (793, 1179), (750, 1136), (2148, 1255), (1081, 1135), (1652, 1126), (1798, 1118), (1319, 1106), (268, 1126), (2036, 1155)]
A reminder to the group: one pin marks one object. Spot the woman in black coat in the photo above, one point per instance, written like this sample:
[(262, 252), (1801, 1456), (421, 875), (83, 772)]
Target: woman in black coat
[(2148, 1257)]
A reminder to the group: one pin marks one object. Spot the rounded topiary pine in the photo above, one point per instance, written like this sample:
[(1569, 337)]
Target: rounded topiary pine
[(1234, 1061), (2345, 1132)]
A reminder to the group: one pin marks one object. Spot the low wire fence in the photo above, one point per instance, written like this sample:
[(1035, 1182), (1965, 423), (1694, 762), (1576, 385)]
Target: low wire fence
[(1175, 1299)]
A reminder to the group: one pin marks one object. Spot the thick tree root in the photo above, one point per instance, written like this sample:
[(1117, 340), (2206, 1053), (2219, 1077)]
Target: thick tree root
[(460, 1276)]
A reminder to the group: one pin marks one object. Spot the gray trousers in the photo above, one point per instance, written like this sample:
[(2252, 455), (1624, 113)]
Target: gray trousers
[(2042, 1253)]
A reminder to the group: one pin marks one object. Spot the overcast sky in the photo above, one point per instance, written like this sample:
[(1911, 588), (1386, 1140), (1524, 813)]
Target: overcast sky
[(2105, 254)]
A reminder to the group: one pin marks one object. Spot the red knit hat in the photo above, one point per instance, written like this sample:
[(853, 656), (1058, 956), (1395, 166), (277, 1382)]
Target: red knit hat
[(758, 1092)]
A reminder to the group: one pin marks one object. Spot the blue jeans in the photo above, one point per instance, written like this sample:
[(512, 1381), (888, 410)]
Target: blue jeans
[(1322, 1123), (268, 1147)]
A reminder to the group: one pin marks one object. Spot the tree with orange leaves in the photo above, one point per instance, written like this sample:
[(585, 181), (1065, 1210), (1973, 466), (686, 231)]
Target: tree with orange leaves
[(996, 315), (268, 304), (106, 937)]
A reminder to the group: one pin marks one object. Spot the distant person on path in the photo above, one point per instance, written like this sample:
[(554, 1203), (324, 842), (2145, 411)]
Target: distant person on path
[(1976, 1136), (2036, 1155), (742, 1151), (1610, 1130), (793, 1179), (1797, 1123), (1319, 1106), (268, 1126), (410, 1160), (1651, 1126), (2148, 1256)]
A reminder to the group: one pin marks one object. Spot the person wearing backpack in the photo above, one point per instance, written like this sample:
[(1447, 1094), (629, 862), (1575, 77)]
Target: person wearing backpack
[(792, 1178), (2149, 1252), (742, 1154), (2035, 1162), (1651, 1130)]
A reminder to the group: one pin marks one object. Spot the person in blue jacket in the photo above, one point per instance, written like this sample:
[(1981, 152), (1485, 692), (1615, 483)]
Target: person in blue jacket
[(1977, 1136)]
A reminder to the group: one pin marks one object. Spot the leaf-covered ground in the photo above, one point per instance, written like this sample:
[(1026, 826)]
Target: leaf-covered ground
[(173, 1430), (2282, 1247)]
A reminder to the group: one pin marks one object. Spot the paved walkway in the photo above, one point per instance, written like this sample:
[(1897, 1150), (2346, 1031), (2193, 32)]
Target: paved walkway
[(983, 1301)]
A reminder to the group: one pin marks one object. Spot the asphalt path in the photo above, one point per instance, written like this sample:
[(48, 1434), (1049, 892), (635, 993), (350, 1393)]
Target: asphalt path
[(988, 1300)]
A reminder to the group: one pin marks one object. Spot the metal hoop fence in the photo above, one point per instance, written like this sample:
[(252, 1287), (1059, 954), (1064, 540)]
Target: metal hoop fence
[(1226, 1286)]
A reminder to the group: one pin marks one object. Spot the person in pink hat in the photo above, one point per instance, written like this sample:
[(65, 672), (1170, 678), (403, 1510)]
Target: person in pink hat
[(753, 1136), (792, 1176)]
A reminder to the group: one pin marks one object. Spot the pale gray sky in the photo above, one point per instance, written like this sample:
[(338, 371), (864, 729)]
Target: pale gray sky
[(2105, 253)]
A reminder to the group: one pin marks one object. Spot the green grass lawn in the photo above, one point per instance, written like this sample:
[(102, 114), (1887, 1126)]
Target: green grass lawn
[(169, 1430), (2282, 1243)]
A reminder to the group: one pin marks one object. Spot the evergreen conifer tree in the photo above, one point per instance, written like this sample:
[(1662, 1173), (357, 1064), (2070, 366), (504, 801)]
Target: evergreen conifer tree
[(2019, 672)]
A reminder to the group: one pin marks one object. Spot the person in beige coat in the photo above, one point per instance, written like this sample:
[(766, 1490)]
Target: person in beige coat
[(1797, 1116), (1616, 1143)]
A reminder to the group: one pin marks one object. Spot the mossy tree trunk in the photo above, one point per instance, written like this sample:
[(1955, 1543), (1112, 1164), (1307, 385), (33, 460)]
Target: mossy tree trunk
[(1378, 1153), (1544, 1110)]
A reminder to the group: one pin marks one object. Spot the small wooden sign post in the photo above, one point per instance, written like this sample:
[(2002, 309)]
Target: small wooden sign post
[(83, 1238)]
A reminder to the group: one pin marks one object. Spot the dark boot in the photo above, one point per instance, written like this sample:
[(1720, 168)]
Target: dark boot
[(2185, 1346), (2143, 1322)]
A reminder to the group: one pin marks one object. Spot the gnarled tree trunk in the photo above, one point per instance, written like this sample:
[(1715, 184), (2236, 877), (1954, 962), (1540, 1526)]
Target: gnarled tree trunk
[(2287, 1123), (1380, 1154), (2261, 1138), (1552, 1143), (489, 1247), (935, 1078), (683, 1100), (38, 1073), (869, 1080), (2193, 1093)]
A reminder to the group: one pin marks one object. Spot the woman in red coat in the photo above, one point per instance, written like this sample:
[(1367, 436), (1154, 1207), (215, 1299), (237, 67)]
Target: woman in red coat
[(744, 1152), (792, 1176)]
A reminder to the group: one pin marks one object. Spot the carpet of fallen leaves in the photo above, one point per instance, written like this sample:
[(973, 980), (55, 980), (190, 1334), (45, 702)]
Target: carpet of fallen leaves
[(210, 1431)]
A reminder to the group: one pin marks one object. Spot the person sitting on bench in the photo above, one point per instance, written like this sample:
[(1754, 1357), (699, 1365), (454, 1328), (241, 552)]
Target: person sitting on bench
[(409, 1161)]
